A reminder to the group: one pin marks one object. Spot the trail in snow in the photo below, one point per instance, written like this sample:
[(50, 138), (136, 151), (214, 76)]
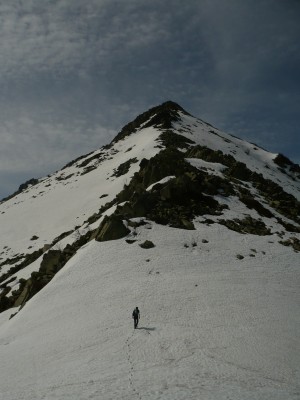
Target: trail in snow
[(131, 367), (211, 327)]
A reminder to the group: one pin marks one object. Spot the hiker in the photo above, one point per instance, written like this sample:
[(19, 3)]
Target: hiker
[(136, 316)]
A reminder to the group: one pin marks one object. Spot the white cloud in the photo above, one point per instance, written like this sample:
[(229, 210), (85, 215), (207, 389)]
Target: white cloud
[(71, 35), (71, 71)]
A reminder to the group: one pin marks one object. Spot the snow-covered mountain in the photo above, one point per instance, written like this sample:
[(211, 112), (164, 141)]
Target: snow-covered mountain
[(198, 228)]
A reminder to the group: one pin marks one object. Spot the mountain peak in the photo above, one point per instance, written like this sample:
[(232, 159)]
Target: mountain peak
[(169, 105), (162, 115), (165, 166), (197, 217)]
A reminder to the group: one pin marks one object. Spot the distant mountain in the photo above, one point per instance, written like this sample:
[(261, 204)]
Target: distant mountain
[(165, 172)]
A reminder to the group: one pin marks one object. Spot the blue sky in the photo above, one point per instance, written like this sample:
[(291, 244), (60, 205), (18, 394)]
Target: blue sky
[(73, 72)]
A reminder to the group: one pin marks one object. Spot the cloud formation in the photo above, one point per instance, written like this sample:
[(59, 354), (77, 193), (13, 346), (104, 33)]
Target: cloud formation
[(72, 73), (73, 36)]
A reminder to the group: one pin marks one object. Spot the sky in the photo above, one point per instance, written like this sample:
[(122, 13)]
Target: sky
[(74, 72)]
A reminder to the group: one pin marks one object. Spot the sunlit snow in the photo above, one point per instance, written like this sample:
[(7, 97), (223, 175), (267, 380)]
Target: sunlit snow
[(219, 310)]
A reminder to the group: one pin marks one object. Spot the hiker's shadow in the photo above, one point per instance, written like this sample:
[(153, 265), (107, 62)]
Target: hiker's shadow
[(146, 329)]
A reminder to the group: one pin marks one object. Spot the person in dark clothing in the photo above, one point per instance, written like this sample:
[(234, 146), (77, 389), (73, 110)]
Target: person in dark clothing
[(136, 316)]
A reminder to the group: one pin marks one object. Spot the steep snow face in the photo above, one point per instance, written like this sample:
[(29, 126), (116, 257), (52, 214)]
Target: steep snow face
[(256, 158), (212, 326), (64, 200)]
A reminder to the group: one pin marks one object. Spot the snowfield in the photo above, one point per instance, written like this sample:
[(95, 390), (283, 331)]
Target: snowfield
[(212, 326), (67, 198), (219, 309)]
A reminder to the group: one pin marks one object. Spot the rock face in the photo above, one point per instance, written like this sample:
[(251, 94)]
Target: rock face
[(247, 225), (112, 228), (175, 202), (162, 116), (184, 179), (51, 262)]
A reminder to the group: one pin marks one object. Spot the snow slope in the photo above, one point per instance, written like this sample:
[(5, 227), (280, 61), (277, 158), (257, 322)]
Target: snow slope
[(64, 200), (219, 309), (256, 158), (212, 326)]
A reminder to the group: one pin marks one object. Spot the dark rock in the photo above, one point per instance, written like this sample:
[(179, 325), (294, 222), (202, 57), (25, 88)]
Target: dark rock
[(30, 182), (88, 169), (124, 167), (293, 242), (51, 262), (247, 198), (247, 225), (174, 140), (147, 244), (163, 116), (34, 237), (112, 228)]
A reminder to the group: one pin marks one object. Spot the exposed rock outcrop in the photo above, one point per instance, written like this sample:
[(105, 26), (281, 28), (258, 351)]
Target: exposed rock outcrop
[(111, 228)]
